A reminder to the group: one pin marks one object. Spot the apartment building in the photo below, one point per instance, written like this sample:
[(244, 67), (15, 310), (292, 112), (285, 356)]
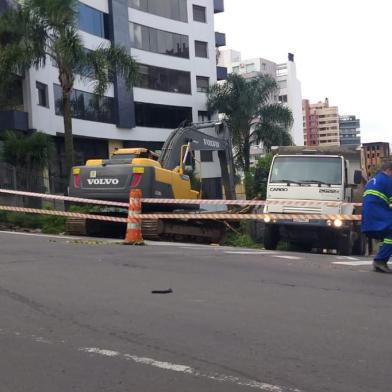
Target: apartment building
[(285, 74), (349, 129), (373, 155), (320, 124), (174, 43)]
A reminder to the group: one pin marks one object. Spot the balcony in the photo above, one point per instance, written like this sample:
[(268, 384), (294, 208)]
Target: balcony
[(220, 39), (221, 73), (14, 120), (219, 6)]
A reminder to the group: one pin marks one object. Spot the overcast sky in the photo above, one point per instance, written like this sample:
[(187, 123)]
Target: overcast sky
[(343, 51)]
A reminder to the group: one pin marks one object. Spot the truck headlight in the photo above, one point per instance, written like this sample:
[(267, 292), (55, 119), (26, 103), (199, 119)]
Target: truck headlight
[(267, 219), (337, 223)]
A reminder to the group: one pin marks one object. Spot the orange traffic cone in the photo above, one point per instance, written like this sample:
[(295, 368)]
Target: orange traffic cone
[(134, 229)]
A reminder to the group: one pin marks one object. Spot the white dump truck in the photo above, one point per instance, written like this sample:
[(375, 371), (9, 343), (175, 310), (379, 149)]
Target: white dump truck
[(308, 174)]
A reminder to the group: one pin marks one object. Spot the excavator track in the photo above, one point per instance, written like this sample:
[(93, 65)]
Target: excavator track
[(203, 231)]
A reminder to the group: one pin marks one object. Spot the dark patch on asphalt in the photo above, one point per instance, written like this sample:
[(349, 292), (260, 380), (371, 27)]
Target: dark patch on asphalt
[(168, 291)]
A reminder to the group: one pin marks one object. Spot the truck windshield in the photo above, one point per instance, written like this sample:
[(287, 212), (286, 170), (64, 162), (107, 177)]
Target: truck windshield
[(308, 170)]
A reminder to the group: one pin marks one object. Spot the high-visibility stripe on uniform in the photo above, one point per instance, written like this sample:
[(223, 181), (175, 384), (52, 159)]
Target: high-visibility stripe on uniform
[(387, 241), (377, 194)]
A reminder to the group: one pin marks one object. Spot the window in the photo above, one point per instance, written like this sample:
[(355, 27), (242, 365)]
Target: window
[(206, 156), (236, 69), (202, 84), (307, 169), (201, 49), (250, 67), (283, 99), (161, 116), (163, 79), (199, 14), (203, 116), (172, 9), (158, 41), (42, 90), (93, 21), (86, 106)]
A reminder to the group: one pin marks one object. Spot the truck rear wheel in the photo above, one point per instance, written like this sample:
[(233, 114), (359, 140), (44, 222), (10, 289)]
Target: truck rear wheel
[(271, 237)]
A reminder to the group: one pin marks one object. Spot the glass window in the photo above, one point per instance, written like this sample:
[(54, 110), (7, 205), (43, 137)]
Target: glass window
[(42, 90), (206, 156), (93, 21), (307, 170), (161, 116), (199, 14), (202, 83), (158, 41), (250, 67), (12, 97), (203, 116), (201, 49), (172, 9), (86, 106), (164, 79)]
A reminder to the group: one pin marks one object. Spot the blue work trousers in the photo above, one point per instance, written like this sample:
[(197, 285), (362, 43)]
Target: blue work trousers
[(385, 251)]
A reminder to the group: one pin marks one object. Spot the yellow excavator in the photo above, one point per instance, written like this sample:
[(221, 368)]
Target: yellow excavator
[(160, 177)]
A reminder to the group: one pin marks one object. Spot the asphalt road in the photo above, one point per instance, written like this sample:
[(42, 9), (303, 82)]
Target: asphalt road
[(78, 316)]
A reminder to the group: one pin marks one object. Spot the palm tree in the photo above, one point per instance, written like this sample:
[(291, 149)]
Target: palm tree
[(246, 104), (39, 30)]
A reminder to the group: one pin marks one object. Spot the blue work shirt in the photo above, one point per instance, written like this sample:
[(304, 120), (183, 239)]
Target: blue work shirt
[(376, 213)]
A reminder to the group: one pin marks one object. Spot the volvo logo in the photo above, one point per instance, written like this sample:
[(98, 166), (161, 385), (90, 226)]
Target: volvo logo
[(279, 189), (211, 143), (103, 181)]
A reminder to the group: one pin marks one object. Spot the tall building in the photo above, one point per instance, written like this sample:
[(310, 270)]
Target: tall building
[(320, 124), (349, 127), (373, 155), (174, 43), (285, 74)]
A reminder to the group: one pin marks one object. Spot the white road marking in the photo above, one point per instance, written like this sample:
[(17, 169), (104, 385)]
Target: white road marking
[(188, 370), (39, 235), (246, 252), (288, 257), (354, 263), (347, 258)]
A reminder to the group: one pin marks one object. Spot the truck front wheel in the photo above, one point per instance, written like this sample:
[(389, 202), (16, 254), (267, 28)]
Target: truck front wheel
[(271, 237), (345, 244)]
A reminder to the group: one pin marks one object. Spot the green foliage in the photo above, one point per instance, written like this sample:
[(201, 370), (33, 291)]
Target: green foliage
[(250, 115), (39, 29), (47, 223), (257, 177), (240, 238), (28, 152)]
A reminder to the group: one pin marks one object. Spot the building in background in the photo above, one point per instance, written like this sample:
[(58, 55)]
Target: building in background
[(285, 74), (174, 43), (373, 155), (349, 129), (320, 124)]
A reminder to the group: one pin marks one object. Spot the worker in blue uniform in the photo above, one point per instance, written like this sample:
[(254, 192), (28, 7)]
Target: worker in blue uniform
[(377, 215)]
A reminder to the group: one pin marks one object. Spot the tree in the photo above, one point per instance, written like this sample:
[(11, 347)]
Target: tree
[(246, 104), (29, 156), (257, 177), (39, 30)]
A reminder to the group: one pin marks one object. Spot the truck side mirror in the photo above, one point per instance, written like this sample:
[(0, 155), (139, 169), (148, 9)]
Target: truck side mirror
[(357, 177)]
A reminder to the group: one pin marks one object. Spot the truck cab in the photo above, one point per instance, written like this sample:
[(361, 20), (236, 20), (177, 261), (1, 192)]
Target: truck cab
[(317, 181)]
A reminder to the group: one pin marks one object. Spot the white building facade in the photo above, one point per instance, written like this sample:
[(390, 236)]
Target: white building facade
[(174, 43), (285, 74)]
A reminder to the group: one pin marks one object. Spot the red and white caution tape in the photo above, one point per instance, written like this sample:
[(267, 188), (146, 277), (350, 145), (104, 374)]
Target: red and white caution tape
[(63, 213), (201, 216), (260, 203)]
